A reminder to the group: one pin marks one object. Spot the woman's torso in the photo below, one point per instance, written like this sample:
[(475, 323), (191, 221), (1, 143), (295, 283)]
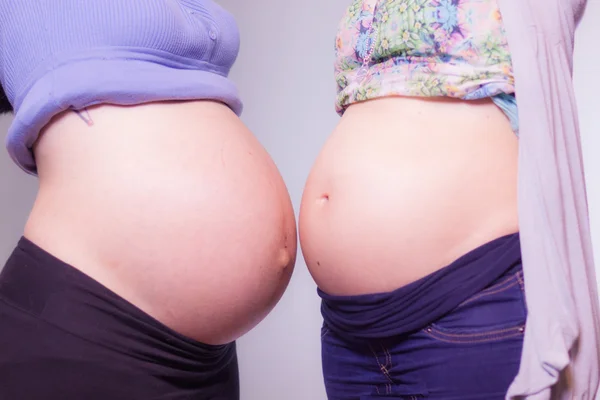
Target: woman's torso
[(405, 186), (174, 206), (413, 176)]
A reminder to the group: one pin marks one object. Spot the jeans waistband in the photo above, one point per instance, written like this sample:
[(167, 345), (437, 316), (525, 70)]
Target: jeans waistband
[(416, 305)]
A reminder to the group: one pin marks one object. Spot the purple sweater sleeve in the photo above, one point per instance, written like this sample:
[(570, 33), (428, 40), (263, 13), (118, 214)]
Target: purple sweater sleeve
[(561, 350)]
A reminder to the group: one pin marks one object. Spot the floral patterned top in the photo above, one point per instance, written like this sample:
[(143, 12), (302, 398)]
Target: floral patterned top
[(454, 48)]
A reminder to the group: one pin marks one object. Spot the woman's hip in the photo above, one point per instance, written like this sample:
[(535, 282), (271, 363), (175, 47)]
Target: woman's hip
[(470, 350), (76, 339)]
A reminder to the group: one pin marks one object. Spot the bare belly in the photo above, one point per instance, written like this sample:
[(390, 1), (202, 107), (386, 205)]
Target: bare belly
[(176, 207), (403, 187)]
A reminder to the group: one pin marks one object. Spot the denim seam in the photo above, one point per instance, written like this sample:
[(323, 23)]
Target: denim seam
[(388, 367), (499, 288), (473, 335), (518, 333), (521, 280), (472, 338), (522, 285), (384, 368)]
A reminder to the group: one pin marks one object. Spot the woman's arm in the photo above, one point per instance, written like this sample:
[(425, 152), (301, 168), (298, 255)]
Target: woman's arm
[(5, 106)]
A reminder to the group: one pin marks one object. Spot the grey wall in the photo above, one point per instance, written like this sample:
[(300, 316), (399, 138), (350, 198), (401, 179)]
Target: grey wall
[(587, 89), (284, 73), (17, 191)]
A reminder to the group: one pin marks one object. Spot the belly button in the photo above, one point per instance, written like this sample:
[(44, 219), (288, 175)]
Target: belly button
[(323, 199), (284, 257)]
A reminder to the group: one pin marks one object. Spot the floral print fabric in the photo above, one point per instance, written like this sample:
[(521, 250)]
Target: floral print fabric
[(454, 48)]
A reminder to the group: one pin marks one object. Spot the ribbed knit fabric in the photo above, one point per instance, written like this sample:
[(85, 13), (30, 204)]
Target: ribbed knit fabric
[(69, 54)]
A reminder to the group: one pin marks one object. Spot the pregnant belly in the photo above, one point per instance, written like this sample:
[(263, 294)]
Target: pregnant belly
[(175, 207), (404, 187)]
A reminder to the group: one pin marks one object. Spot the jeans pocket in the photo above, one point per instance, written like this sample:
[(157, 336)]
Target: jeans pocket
[(496, 313)]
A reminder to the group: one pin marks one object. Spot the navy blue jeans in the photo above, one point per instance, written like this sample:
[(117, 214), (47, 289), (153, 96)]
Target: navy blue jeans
[(471, 353)]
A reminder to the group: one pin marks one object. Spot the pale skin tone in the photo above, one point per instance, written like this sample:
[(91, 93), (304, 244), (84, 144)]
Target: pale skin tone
[(427, 203), (405, 186), (385, 204), (176, 207)]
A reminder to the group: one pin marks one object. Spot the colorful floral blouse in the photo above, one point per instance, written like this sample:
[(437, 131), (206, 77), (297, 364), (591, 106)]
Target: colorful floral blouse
[(454, 48)]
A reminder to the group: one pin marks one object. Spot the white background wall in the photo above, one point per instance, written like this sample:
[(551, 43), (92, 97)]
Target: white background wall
[(17, 191), (284, 73)]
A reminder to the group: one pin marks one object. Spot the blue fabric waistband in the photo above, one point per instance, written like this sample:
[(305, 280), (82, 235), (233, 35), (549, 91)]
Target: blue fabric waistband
[(508, 104), (415, 306)]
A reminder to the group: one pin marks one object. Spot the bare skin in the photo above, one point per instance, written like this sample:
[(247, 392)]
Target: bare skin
[(176, 207), (405, 186)]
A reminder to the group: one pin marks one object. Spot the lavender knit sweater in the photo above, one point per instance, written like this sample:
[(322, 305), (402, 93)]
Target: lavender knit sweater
[(68, 54)]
